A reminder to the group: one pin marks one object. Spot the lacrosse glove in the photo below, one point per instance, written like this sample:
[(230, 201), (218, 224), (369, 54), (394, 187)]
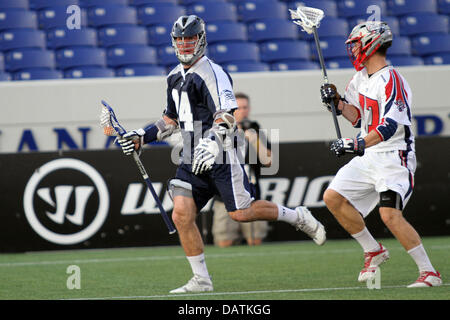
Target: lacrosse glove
[(347, 145), (205, 154), (328, 93), (132, 141)]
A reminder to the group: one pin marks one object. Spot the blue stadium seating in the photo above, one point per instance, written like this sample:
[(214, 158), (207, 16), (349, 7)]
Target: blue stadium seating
[(22, 38), (29, 58), (246, 66), (391, 21), (415, 24), (399, 8), (126, 34), (41, 4), (94, 3), (4, 76), (353, 8), (159, 13), (80, 56), (332, 47), (251, 10), (166, 55), (36, 74), (140, 70), (272, 29), (137, 3), (430, 44), (131, 54), (338, 63), (18, 4), (399, 61), (107, 15), (438, 59), (89, 72), (234, 51), (2, 62), (328, 7), (444, 7), (160, 34), (289, 65), (226, 31), (213, 11), (56, 17), (284, 50), (14, 19), (61, 37), (333, 27), (400, 46), (189, 2)]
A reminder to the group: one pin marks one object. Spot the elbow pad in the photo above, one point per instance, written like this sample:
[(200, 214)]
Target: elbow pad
[(387, 128)]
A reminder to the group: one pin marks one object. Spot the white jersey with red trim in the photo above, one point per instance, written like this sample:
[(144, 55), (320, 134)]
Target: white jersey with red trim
[(381, 98)]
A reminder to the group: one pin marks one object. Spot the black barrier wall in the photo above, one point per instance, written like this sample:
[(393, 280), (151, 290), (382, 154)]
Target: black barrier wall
[(97, 199)]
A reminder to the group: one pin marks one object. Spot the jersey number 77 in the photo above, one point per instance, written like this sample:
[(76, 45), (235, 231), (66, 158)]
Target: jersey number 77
[(373, 111)]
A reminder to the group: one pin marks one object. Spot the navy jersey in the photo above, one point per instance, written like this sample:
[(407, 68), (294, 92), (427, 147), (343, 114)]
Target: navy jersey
[(195, 95)]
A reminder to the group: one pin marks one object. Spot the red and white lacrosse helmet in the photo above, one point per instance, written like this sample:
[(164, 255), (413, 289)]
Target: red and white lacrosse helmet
[(368, 36)]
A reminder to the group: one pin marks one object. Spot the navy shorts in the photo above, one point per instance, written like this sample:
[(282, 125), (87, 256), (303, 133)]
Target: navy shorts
[(229, 181)]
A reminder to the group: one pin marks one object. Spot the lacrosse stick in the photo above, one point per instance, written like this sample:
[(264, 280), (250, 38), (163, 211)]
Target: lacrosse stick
[(309, 20), (112, 127)]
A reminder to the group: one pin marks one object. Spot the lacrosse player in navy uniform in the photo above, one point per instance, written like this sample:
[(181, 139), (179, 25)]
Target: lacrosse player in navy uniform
[(377, 100), (201, 102)]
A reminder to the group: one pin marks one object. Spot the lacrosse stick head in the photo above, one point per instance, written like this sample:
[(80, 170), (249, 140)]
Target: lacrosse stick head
[(307, 18), (109, 123)]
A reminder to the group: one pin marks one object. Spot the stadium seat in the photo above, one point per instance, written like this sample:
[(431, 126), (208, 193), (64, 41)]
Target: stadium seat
[(95, 3), (2, 62), (430, 44), (159, 13), (213, 11), (283, 50), (160, 34), (130, 54), (29, 58), (289, 65), (251, 10), (399, 61), (226, 31), (37, 74), (332, 27), (438, 59), (41, 4), (352, 8), (140, 70), (80, 56), (444, 7), (137, 3), (166, 55), (400, 46), (399, 8), (56, 17), (108, 15), (391, 21), (246, 66), (16, 4), (234, 51), (22, 38), (338, 63), (328, 7), (89, 72), (61, 37), (15, 19), (4, 76), (415, 24), (117, 35), (272, 29), (332, 47), (189, 2)]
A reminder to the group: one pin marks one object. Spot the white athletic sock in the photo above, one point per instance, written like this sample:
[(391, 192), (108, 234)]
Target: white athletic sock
[(198, 265), (421, 258), (287, 215), (367, 242)]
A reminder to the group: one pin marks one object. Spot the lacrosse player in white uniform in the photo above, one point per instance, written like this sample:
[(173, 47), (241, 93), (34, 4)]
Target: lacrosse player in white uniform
[(378, 100)]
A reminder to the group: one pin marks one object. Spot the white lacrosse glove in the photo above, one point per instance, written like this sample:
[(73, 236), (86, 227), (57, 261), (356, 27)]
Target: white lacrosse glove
[(205, 154), (130, 140)]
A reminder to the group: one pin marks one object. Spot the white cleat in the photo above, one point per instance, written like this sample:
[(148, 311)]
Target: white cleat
[(427, 279), (309, 225), (196, 284), (371, 262)]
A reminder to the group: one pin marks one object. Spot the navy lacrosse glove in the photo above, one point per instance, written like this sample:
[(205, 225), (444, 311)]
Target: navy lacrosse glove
[(347, 145), (328, 93)]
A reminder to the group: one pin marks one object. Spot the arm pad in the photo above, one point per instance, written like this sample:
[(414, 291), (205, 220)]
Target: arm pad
[(158, 131), (387, 128)]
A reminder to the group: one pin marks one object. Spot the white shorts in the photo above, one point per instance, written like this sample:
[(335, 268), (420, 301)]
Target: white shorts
[(362, 179)]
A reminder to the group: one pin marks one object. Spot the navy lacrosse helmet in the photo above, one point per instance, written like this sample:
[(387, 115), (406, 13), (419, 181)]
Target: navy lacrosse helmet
[(189, 38)]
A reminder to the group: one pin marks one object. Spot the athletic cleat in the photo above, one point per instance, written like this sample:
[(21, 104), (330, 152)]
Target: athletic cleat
[(371, 262), (427, 279), (309, 225), (196, 284)]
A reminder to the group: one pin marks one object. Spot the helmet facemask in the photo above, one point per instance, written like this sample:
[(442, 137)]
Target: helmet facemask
[(189, 39)]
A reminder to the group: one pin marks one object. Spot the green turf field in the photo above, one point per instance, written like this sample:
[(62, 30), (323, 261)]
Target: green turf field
[(288, 270)]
